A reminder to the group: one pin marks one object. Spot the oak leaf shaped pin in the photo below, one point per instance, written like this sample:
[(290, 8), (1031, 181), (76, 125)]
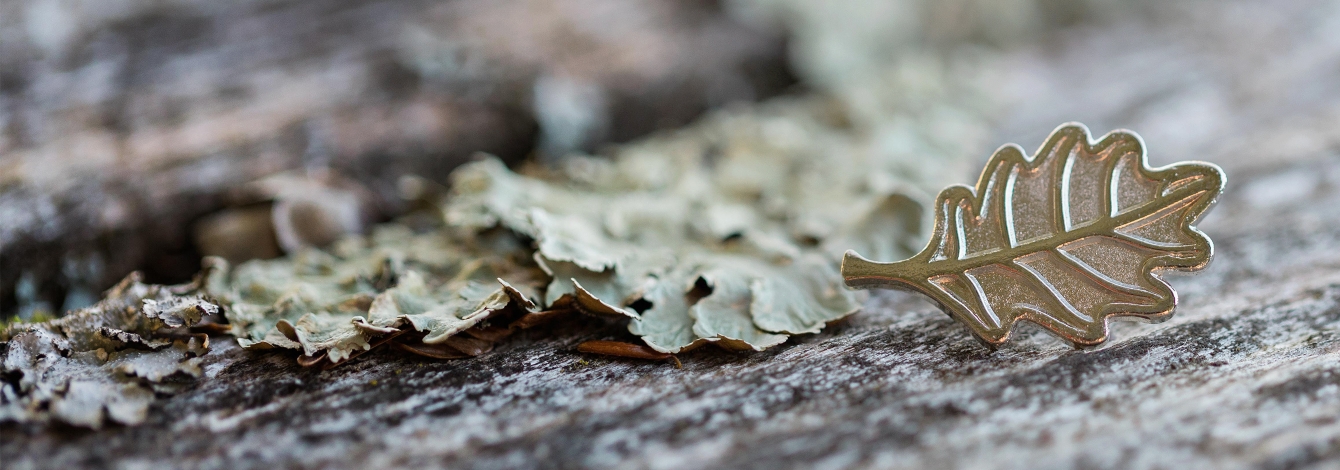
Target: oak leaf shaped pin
[(1076, 234)]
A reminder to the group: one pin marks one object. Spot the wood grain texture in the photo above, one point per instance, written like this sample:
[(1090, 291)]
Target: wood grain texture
[(1244, 376)]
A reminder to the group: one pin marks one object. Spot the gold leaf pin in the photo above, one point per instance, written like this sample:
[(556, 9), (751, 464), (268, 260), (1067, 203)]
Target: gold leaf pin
[(1066, 239)]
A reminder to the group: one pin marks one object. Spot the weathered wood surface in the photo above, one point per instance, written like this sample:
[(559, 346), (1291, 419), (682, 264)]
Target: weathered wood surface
[(1244, 375)]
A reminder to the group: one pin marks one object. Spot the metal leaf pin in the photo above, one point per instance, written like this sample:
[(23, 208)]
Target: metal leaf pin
[(1075, 235)]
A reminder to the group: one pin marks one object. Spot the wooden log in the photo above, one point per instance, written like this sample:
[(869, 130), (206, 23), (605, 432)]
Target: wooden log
[(1244, 375)]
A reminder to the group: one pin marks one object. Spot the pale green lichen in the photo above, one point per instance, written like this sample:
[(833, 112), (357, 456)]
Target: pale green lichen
[(107, 361), (334, 304), (726, 231)]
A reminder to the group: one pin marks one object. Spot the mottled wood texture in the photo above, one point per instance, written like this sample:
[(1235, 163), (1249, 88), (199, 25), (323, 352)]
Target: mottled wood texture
[(1245, 375)]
